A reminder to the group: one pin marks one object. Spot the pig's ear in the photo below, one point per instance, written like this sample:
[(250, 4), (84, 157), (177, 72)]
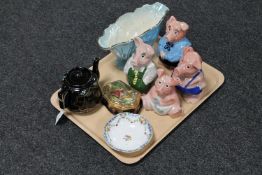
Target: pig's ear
[(150, 50), (168, 23), (184, 26), (178, 80), (198, 62), (188, 49), (138, 41), (172, 18), (160, 72), (175, 81)]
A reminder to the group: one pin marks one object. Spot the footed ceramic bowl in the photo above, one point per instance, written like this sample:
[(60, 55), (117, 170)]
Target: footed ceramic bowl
[(144, 22), (128, 133)]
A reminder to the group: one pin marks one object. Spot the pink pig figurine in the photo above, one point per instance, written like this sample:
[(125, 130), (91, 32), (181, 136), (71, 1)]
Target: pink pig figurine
[(140, 69), (170, 46), (162, 97), (189, 70)]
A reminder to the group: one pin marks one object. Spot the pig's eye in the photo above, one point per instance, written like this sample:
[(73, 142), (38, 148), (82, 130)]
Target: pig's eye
[(167, 86), (188, 66), (143, 55), (176, 32), (169, 27), (159, 82)]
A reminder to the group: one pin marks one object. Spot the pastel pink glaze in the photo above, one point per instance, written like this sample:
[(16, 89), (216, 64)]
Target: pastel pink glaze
[(164, 89), (175, 30), (188, 66), (143, 54)]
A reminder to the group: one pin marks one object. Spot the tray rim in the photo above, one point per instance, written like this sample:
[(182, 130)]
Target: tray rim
[(136, 159)]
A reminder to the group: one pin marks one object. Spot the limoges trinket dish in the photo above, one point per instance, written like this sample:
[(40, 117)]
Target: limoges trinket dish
[(162, 97), (140, 69), (170, 46), (190, 72), (80, 91), (119, 97), (145, 22), (128, 133)]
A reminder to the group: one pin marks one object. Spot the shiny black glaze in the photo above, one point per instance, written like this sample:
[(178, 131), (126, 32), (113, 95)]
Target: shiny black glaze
[(80, 91)]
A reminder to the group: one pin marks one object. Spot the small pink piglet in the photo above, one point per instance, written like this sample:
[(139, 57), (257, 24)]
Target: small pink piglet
[(162, 97)]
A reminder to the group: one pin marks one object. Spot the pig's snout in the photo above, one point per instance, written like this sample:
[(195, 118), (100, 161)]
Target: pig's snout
[(159, 89), (168, 37)]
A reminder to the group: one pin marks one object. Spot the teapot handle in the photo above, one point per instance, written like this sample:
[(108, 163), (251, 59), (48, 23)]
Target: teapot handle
[(95, 66), (63, 99)]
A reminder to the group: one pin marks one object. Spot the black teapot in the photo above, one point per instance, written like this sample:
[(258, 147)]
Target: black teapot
[(80, 91)]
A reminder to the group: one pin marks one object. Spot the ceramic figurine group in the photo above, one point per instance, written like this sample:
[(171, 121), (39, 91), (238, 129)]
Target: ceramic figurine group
[(175, 53), (159, 91)]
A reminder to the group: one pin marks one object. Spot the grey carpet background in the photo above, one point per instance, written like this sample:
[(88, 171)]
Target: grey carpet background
[(41, 40)]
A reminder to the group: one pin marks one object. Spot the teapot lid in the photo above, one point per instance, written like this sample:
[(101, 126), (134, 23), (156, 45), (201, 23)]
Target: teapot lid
[(79, 77)]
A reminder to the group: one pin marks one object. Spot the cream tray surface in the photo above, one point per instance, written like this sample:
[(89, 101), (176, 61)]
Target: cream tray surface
[(93, 124)]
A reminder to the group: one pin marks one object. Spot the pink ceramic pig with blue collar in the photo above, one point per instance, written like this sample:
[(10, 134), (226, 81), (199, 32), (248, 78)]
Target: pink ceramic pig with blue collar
[(171, 45), (189, 70), (163, 97)]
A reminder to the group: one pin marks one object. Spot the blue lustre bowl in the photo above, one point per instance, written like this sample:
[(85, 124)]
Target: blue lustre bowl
[(145, 22)]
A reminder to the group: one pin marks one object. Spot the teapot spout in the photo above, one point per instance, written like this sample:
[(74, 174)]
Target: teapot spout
[(95, 67)]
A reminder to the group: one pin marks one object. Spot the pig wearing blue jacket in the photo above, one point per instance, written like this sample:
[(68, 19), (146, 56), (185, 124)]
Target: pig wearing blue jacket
[(171, 45)]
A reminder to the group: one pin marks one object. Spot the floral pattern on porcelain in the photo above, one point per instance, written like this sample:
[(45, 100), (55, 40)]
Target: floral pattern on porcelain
[(119, 97), (128, 132)]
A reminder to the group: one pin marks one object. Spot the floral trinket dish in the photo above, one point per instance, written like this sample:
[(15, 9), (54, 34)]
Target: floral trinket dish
[(128, 133)]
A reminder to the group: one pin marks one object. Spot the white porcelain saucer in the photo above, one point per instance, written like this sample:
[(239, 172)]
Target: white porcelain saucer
[(128, 132)]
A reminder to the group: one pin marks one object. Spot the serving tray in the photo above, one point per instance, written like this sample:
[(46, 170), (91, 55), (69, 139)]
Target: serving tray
[(93, 124)]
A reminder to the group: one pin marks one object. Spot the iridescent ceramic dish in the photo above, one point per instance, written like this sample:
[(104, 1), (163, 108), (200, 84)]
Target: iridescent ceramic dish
[(144, 22), (128, 133)]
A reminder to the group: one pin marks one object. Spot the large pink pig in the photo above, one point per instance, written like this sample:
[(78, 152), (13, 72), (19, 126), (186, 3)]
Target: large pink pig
[(162, 97), (189, 70)]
